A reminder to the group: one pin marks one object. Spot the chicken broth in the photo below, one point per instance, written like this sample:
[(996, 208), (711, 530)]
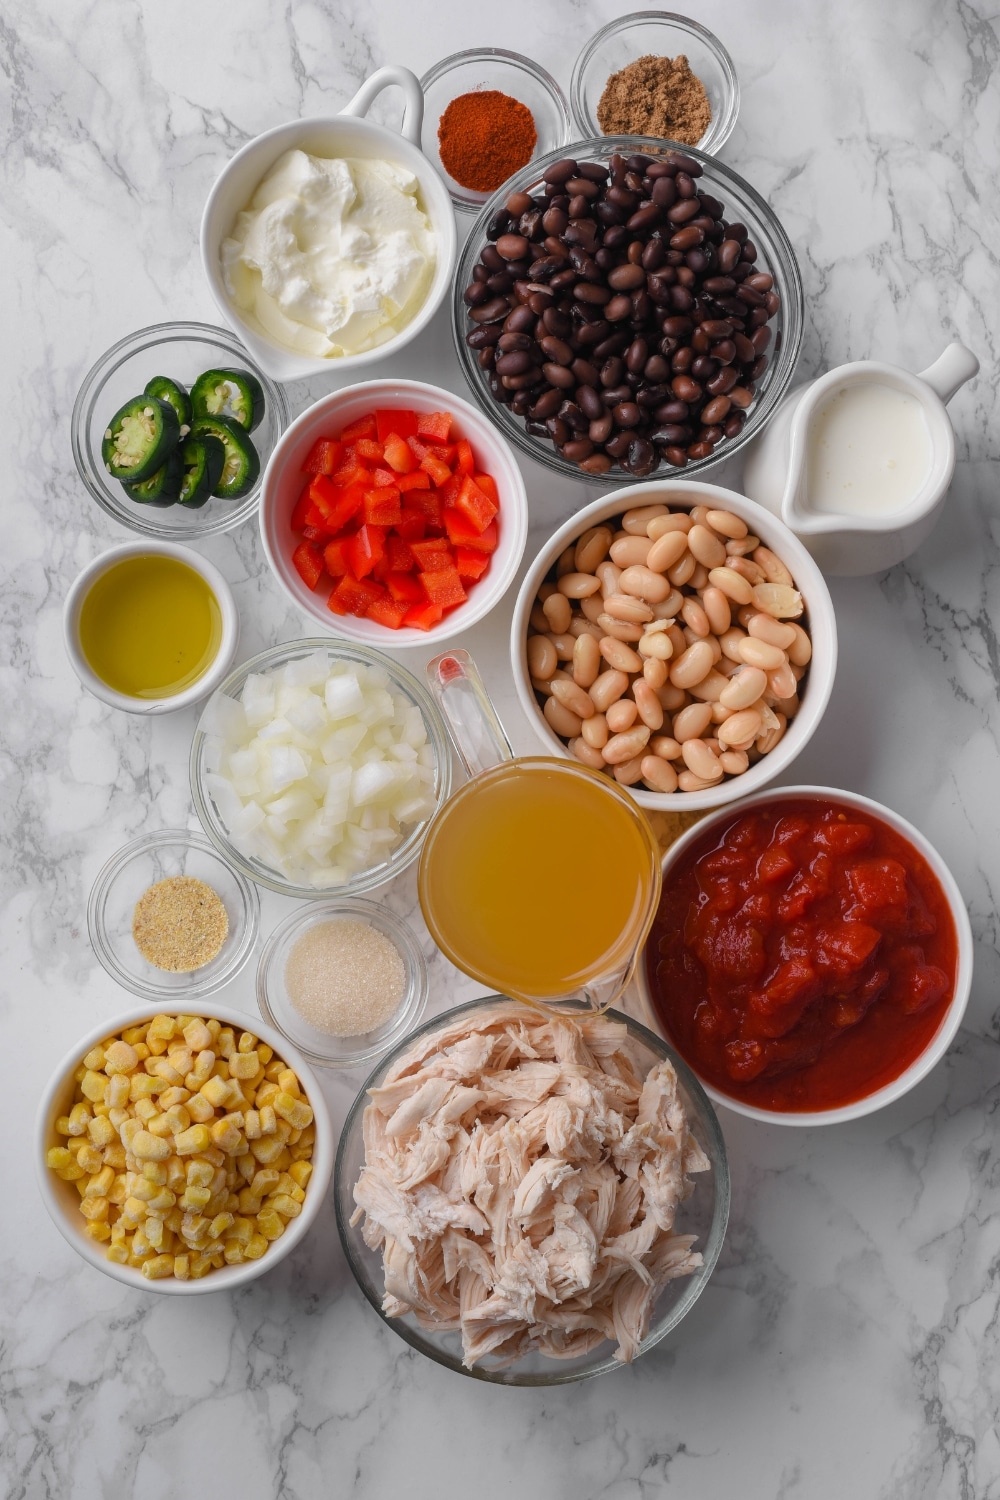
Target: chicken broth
[(538, 879)]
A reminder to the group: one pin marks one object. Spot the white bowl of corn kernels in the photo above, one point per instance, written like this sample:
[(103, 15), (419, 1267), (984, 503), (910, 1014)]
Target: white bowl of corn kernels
[(184, 1152)]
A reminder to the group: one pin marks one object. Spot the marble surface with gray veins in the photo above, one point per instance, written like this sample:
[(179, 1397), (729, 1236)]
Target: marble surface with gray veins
[(847, 1344)]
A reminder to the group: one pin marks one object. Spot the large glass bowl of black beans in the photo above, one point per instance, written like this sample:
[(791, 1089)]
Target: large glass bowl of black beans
[(623, 308)]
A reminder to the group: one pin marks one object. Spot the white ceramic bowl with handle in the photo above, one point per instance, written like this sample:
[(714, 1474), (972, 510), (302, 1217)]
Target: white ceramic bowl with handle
[(284, 481), (819, 619), (347, 134), (942, 1039), (62, 1199)]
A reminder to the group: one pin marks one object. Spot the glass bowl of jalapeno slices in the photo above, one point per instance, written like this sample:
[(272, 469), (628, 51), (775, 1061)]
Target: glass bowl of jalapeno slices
[(172, 430)]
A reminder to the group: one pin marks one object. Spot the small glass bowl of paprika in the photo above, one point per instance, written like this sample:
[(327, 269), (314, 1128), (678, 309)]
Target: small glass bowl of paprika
[(487, 114)]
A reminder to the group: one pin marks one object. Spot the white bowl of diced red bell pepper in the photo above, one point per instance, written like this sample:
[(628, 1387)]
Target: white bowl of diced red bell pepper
[(393, 513)]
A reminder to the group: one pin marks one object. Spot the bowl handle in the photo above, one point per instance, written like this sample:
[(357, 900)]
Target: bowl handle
[(383, 78)]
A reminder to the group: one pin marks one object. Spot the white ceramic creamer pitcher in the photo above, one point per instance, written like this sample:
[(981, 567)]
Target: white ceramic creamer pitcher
[(858, 462)]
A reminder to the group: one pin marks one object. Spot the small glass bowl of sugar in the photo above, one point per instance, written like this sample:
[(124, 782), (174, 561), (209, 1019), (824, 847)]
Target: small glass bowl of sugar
[(343, 980)]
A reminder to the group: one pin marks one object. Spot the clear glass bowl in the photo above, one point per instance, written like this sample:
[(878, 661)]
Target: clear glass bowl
[(657, 33), (491, 68), (203, 746), (130, 872), (318, 1046), (742, 204), (182, 351), (705, 1214)]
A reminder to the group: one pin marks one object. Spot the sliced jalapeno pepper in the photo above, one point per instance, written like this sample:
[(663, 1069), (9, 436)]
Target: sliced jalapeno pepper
[(203, 459), (165, 389), (139, 438), (242, 466), (161, 488), (235, 394)]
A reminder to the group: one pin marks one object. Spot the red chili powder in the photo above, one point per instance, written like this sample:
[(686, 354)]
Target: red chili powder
[(484, 137)]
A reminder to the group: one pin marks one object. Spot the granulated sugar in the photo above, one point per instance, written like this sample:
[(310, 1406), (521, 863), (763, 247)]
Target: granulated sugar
[(345, 977)]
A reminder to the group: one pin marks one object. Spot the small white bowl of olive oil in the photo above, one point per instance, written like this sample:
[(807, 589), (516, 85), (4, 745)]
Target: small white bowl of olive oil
[(150, 627)]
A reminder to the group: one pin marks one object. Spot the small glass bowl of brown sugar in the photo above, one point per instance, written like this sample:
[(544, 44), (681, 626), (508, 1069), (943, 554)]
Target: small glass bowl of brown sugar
[(677, 78), (170, 919), (343, 980)]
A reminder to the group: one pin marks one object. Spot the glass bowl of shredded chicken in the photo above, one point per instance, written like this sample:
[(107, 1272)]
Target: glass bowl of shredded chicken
[(532, 1199)]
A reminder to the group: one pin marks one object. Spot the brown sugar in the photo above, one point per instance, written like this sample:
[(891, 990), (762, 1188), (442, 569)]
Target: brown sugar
[(656, 96), (179, 924)]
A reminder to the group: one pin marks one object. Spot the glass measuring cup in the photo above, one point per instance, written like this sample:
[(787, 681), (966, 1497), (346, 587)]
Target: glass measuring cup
[(539, 877)]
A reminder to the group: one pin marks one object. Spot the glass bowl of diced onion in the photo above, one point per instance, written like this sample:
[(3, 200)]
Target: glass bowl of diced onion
[(317, 766)]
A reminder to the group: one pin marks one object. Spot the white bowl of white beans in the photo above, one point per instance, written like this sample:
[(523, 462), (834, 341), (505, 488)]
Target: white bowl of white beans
[(679, 637)]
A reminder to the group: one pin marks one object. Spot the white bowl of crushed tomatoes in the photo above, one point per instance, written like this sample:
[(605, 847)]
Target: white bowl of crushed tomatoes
[(392, 513), (811, 958)]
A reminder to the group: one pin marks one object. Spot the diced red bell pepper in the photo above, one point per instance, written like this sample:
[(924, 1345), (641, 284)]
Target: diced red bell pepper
[(350, 472), (435, 425), (436, 468), (314, 534), (398, 455), (423, 616), (364, 427), (470, 563), (401, 422), (308, 564), (419, 447), (450, 491), (300, 510), (413, 526), (323, 457), (462, 532), (382, 508), (365, 548), (336, 557), (443, 586), (382, 479), (416, 480), (399, 554), (432, 554), (488, 485), (388, 612), (370, 449), (475, 504), (427, 503), (323, 492), (464, 461), (405, 587), (346, 505), (354, 596)]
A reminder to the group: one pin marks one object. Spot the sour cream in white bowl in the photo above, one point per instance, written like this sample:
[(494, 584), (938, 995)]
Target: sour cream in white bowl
[(329, 241)]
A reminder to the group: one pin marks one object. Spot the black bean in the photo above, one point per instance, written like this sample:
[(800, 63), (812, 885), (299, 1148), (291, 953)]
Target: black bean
[(585, 372), (559, 376), (558, 430), (556, 322), (671, 432), (589, 402), (560, 171), (618, 446), (627, 414), (521, 320), (547, 405), (480, 338), (571, 413), (641, 458), (600, 429), (556, 350), (514, 363), (613, 344), (578, 449)]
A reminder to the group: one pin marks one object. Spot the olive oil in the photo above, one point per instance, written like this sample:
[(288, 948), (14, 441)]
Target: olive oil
[(150, 626), (540, 879)]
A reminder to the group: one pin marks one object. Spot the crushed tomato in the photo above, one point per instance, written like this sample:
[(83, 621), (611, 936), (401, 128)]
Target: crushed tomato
[(802, 957)]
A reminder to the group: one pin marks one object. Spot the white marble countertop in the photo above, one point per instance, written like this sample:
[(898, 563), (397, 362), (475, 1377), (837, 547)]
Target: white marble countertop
[(847, 1344)]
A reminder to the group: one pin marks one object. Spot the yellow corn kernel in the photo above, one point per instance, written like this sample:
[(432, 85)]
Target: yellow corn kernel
[(148, 1147), (141, 1086), (71, 1174), (89, 1158), (171, 1097), (245, 1168), (161, 1028), (296, 1112), (133, 1210), (249, 1203), (195, 1198), (182, 1267), (288, 1083), (244, 1065), (194, 1227), (200, 1266), (80, 1117), (118, 1192), (174, 1218), (200, 1109), (159, 1125), (283, 1160), (153, 1230), (114, 1156), (146, 1110), (94, 1207), (94, 1058), (63, 1125), (267, 1149), (192, 1141), (134, 1034), (220, 1224), (214, 1027), (97, 1229), (80, 1183), (256, 1246), (216, 1091), (204, 1063), (285, 1205), (177, 1119), (300, 1172), (59, 1159), (121, 1058), (266, 1094), (101, 1132), (226, 1134), (155, 1172), (242, 1230), (119, 1089), (181, 1059), (117, 1253), (270, 1224), (197, 1035), (247, 1042), (232, 1253), (144, 1190), (141, 1051), (199, 1173), (128, 1132), (100, 1185), (274, 1069), (293, 1137), (94, 1085), (268, 1120), (226, 1043), (162, 1202), (159, 1267), (215, 1156), (265, 1181)]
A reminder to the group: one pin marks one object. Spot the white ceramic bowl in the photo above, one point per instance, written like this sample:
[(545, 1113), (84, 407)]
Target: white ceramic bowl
[(206, 683), (950, 1022), (343, 134), (283, 483), (62, 1199), (680, 494)]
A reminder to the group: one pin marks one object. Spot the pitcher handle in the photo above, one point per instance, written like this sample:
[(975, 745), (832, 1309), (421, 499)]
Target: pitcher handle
[(950, 371), (384, 78), (472, 722)]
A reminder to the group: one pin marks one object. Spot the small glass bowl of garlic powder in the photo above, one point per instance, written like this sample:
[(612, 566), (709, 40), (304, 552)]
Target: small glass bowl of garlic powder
[(343, 980)]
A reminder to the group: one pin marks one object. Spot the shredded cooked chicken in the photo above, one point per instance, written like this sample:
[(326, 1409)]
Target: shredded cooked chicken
[(521, 1179)]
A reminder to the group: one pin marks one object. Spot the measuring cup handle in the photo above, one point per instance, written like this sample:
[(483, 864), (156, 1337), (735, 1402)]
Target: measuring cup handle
[(950, 371), (471, 719), (383, 78)]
